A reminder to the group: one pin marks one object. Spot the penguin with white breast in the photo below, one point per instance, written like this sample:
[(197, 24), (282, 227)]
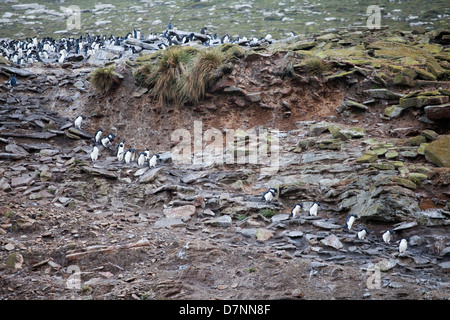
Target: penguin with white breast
[(127, 156), (314, 209), (147, 154), (403, 246), (107, 141), (98, 135), (133, 154), (121, 150), (141, 159), (349, 221), (295, 210), (387, 236), (94, 153), (362, 233), (78, 121), (269, 195), (153, 160)]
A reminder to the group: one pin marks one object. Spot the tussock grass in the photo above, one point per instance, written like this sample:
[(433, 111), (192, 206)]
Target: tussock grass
[(316, 66), (180, 74), (202, 74), (104, 79)]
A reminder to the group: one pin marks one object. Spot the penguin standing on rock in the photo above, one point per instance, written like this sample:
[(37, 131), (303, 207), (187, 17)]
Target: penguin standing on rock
[(127, 156), (314, 208), (121, 150), (107, 141), (94, 153), (363, 233), (403, 246), (269, 195), (387, 236), (98, 135), (295, 210), (349, 221), (141, 159), (153, 160), (78, 122)]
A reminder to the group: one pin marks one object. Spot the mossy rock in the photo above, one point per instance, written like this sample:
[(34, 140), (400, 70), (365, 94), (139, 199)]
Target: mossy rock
[(391, 154), (407, 102), (356, 105), (395, 68), (395, 180), (425, 75), (433, 48), (393, 111), (306, 143), (423, 99), (383, 166), (368, 156), (340, 75), (438, 151), (445, 92), (430, 135), (397, 164), (417, 178), (402, 80), (303, 45), (431, 100), (380, 151), (409, 73), (421, 169), (416, 141), (331, 144), (421, 149)]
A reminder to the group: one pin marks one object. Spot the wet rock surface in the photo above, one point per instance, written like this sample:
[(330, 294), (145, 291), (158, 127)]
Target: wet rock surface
[(74, 229)]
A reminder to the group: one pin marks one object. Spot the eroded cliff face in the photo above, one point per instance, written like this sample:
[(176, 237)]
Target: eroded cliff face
[(352, 136)]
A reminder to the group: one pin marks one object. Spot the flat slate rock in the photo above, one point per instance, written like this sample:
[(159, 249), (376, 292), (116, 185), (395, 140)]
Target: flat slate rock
[(31, 135), (169, 223), (79, 133), (326, 225), (12, 156), (100, 172), (406, 225), (17, 71)]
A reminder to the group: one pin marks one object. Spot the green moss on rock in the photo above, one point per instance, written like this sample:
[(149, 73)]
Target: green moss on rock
[(438, 151)]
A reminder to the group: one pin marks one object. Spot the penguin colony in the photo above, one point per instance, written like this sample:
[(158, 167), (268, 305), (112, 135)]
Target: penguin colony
[(362, 233), (49, 50), (125, 156)]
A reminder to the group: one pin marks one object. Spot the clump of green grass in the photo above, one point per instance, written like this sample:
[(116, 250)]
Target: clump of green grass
[(166, 80), (144, 74), (104, 79), (316, 66), (180, 74), (267, 213), (202, 74)]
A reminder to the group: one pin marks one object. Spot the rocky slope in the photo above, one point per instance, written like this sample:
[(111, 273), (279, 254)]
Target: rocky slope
[(368, 135)]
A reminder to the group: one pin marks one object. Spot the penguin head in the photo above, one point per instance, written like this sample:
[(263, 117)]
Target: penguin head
[(273, 190)]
